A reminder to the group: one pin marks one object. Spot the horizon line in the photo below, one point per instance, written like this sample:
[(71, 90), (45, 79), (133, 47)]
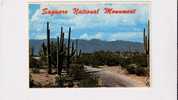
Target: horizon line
[(92, 39)]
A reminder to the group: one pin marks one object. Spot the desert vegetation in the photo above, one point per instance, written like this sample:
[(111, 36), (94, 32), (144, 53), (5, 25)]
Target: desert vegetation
[(64, 63)]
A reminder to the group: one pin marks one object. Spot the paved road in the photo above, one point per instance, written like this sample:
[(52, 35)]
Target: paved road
[(110, 79)]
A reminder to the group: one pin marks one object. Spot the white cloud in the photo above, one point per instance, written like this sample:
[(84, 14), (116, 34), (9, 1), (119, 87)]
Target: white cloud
[(84, 36), (98, 36), (82, 22), (130, 36), (125, 36), (35, 16), (89, 36)]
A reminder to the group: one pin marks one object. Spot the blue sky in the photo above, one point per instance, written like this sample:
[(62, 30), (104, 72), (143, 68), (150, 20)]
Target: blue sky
[(128, 27)]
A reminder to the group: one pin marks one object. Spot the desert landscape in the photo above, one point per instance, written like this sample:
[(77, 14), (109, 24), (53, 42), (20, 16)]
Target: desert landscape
[(89, 50), (64, 64)]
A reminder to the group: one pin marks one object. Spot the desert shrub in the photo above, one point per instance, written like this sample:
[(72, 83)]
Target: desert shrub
[(77, 71), (59, 81), (100, 58), (131, 69), (43, 60), (91, 81), (31, 81), (85, 79), (85, 59), (33, 62), (95, 66), (140, 60), (140, 71), (147, 71), (135, 63), (124, 62), (35, 70), (136, 69)]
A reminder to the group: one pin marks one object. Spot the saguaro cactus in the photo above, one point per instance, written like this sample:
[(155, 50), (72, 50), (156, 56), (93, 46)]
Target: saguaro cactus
[(147, 49), (44, 49), (148, 36), (60, 52), (70, 52), (32, 51), (58, 55), (146, 39), (48, 47), (148, 46), (78, 53)]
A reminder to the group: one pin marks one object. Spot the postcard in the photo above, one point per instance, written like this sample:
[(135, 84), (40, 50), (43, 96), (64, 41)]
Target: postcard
[(74, 45)]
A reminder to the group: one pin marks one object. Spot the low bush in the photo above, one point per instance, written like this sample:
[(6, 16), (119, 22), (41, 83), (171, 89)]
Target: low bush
[(77, 71), (138, 70), (91, 81)]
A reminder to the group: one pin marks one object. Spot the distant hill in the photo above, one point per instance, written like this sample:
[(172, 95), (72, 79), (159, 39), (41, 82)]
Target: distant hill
[(89, 46)]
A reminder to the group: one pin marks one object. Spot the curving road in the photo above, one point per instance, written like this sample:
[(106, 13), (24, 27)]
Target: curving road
[(110, 79)]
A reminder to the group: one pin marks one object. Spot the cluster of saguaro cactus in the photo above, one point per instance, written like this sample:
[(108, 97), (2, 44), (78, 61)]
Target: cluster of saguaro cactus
[(62, 52)]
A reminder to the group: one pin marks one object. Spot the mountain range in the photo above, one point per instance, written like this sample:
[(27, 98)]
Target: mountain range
[(93, 45)]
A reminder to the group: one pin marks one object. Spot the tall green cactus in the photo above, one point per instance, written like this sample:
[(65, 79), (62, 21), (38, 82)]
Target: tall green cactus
[(60, 52), (48, 47), (148, 36), (148, 47), (58, 60), (70, 51), (78, 53), (32, 51), (146, 39), (44, 49)]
